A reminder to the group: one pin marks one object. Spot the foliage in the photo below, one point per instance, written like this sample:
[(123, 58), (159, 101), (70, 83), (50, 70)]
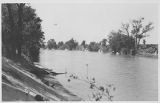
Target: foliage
[(21, 31), (129, 35), (51, 44), (144, 41), (117, 41), (71, 44), (60, 44), (39, 98), (93, 46), (148, 49), (139, 30), (104, 41), (99, 92), (83, 43)]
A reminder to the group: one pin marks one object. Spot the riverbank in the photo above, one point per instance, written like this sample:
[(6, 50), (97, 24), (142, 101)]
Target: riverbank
[(23, 81), (140, 53), (147, 55)]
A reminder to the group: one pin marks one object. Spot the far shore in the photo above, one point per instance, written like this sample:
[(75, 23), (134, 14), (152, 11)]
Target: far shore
[(149, 55)]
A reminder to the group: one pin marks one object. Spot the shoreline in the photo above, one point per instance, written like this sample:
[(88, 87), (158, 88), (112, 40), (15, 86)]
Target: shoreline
[(149, 55), (24, 85)]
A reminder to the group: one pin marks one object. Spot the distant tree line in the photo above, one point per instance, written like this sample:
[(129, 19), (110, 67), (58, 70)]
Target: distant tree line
[(126, 40), (21, 31), (74, 45)]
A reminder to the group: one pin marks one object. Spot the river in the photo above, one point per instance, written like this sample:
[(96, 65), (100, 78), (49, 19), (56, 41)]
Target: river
[(135, 78)]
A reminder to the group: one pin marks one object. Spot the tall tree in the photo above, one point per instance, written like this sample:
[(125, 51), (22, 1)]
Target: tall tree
[(139, 30), (21, 30), (20, 27), (11, 49)]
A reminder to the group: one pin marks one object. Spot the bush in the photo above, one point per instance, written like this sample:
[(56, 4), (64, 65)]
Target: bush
[(39, 98)]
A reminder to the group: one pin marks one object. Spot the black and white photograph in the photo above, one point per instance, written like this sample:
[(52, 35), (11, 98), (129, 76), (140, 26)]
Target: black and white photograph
[(79, 50)]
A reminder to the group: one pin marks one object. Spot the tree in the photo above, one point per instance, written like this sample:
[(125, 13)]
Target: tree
[(83, 43), (51, 44), (115, 41), (104, 41), (32, 34), (8, 27), (93, 46), (128, 34), (144, 41), (21, 31), (119, 41), (60, 44), (71, 44), (15, 30), (139, 30), (20, 27)]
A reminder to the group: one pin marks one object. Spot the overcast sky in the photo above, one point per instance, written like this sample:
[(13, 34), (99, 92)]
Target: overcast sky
[(92, 21)]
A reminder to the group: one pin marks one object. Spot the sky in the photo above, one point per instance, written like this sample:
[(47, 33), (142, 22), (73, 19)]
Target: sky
[(92, 21)]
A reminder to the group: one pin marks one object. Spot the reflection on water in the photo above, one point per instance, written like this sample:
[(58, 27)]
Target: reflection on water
[(135, 78)]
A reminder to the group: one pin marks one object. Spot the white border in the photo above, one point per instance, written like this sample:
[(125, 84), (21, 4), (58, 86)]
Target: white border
[(89, 1), (79, 1)]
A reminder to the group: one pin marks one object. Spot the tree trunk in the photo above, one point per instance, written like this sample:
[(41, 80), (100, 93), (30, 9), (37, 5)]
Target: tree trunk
[(11, 43), (138, 43), (20, 24), (135, 43)]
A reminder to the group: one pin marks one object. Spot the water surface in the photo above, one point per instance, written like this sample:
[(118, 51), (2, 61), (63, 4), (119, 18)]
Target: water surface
[(135, 78)]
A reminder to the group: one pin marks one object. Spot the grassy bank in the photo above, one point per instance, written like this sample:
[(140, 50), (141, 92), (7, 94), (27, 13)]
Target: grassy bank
[(23, 81)]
